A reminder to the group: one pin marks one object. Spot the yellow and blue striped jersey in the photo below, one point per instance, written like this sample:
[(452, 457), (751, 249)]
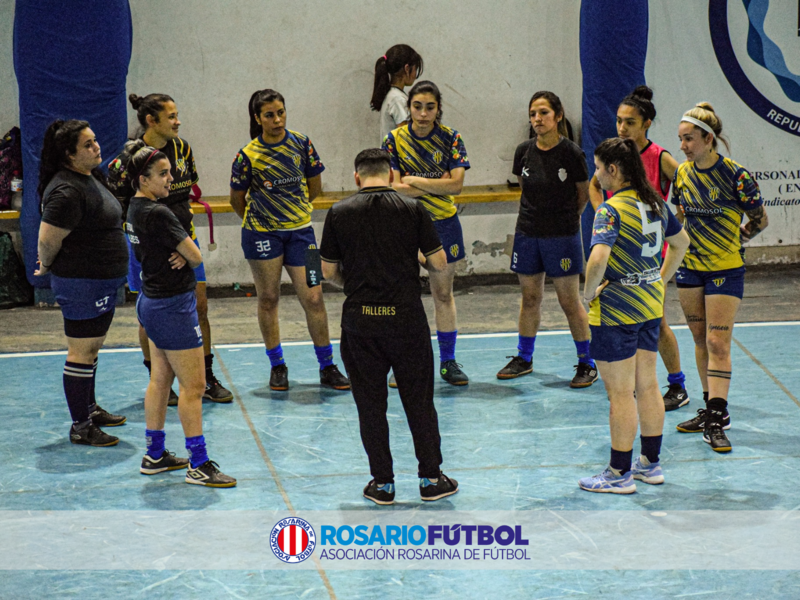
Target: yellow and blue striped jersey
[(441, 151), (275, 177), (635, 232), (713, 201)]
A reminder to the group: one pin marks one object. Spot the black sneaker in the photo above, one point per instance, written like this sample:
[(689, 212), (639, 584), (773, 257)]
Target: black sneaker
[(516, 368), (716, 438), (332, 377), (173, 398), (451, 372), (167, 462), (103, 418), (675, 397), (215, 391), (91, 435), (209, 475), (430, 491), (382, 494), (698, 423), (279, 378), (585, 375)]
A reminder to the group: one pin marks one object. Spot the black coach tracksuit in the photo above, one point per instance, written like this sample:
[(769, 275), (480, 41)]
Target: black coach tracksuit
[(375, 236)]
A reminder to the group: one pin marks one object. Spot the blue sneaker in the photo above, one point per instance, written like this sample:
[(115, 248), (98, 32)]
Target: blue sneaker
[(608, 482), (649, 473)]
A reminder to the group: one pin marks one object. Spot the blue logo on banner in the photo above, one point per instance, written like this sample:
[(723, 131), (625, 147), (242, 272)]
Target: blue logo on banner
[(763, 51)]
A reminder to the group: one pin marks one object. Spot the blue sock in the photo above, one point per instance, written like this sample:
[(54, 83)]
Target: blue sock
[(276, 356), (447, 345), (197, 450), (583, 353), (678, 378), (155, 442), (525, 347), (621, 461), (651, 447), (324, 355)]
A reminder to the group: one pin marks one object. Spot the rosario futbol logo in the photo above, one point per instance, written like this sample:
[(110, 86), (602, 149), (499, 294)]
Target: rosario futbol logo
[(756, 43), (296, 160), (719, 281), (566, 263), (292, 540), (454, 250), (437, 157)]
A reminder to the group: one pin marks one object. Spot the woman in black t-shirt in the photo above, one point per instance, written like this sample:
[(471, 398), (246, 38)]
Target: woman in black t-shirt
[(167, 309), (555, 189), (81, 220)]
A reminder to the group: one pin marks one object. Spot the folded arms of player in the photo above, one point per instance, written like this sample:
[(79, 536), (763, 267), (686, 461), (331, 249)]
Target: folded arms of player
[(449, 184), (187, 252)]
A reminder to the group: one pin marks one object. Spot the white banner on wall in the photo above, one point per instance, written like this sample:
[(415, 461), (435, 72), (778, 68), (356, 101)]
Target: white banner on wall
[(742, 56)]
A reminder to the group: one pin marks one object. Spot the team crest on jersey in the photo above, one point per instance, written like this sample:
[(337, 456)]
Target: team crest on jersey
[(454, 250), (713, 194), (566, 263), (180, 166), (296, 160), (562, 174), (437, 157), (719, 281)]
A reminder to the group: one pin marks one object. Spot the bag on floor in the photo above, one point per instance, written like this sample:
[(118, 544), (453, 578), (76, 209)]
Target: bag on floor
[(14, 287)]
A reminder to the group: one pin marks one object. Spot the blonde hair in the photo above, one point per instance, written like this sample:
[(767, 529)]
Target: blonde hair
[(703, 111)]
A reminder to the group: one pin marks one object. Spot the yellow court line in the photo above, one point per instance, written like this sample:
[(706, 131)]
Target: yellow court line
[(273, 471)]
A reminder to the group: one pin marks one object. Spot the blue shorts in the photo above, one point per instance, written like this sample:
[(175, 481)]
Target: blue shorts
[(266, 245), (611, 343), (82, 299), (171, 322), (452, 238), (556, 256), (135, 269), (714, 283)]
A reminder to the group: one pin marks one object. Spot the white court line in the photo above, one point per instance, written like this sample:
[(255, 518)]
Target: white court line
[(466, 336)]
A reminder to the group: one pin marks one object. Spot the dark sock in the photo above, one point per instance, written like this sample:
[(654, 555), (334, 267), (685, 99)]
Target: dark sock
[(92, 398), (324, 355), (155, 442), (275, 356), (677, 378), (148, 364), (621, 461), (717, 409), (209, 358), (583, 353), (705, 398), (78, 389), (197, 450), (447, 345), (651, 447), (525, 347)]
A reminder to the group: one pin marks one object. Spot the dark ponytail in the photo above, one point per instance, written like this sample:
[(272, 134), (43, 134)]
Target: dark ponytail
[(387, 66), (625, 155), (60, 139), (152, 104), (258, 100), (139, 159), (642, 100), (427, 87)]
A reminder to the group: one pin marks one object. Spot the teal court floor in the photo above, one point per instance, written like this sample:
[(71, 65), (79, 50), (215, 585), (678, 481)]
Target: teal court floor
[(516, 447)]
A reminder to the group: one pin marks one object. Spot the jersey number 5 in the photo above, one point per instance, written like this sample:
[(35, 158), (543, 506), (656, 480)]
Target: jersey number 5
[(649, 250)]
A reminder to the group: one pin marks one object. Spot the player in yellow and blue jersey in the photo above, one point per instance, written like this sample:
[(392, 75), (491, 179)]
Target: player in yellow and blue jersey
[(274, 179), (625, 289), (713, 193), (429, 161)]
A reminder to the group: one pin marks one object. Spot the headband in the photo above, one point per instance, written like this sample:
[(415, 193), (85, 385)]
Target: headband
[(699, 123), (144, 166)]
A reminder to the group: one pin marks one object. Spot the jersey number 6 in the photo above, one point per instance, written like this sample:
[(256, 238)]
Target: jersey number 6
[(649, 250)]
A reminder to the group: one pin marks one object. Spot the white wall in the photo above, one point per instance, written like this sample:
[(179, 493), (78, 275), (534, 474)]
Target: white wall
[(9, 93), (682, 69), (486, 59)]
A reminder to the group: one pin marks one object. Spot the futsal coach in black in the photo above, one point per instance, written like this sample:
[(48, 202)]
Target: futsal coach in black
[(372, 245)]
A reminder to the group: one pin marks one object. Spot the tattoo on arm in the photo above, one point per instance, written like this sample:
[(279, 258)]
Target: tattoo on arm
[(754, 225), (718, 328), (694, 319)]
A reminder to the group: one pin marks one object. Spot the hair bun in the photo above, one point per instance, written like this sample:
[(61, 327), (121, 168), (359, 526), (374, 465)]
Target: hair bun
[(136, 101), (643, 91), (706, 106)]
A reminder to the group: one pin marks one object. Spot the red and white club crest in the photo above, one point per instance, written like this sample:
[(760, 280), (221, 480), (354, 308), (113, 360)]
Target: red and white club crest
[(293, 540)]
